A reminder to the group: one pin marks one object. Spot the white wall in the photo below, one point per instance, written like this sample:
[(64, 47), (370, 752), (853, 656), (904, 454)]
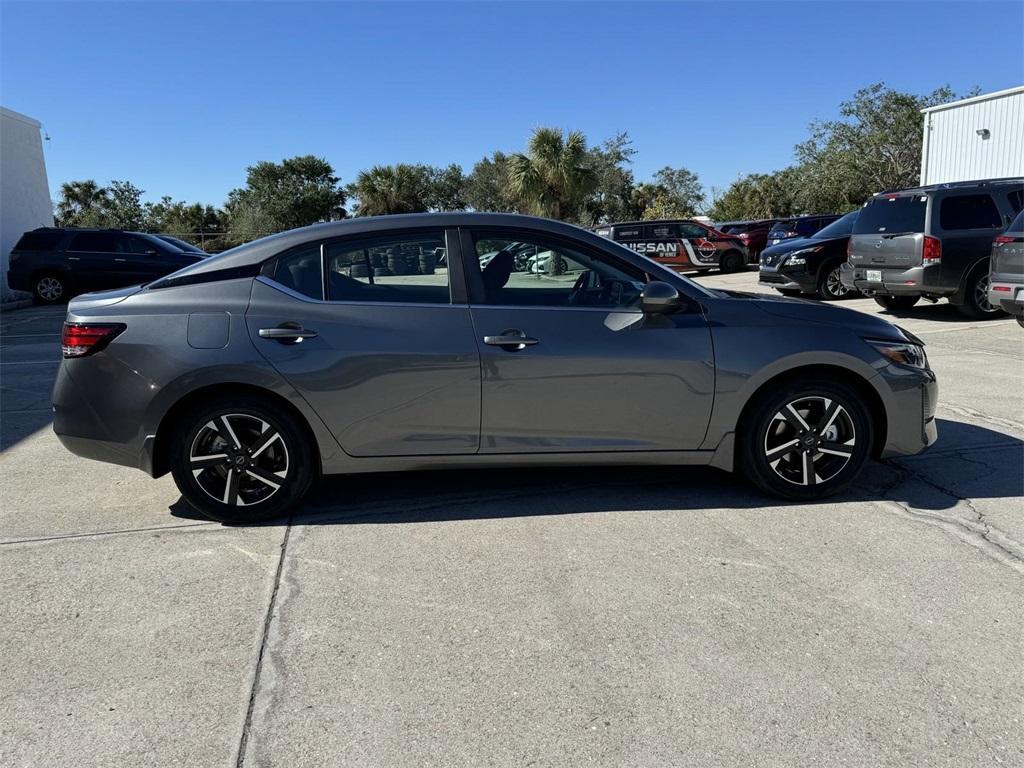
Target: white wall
[(24, 192), (953, 151)]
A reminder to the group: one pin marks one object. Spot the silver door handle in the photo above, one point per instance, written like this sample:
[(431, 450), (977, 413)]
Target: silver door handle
[(511, 338), (286, 334)]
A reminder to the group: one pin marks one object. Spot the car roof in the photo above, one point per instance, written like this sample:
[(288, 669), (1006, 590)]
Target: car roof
[(650, 221), (921, 190), (260, 250)]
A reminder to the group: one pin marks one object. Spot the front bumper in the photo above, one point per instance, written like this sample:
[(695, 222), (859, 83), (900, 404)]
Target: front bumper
[(911, 411), (1009, 296), (786, 280)]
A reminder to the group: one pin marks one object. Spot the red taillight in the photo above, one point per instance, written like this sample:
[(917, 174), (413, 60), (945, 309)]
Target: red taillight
[(1001, 288), (79, 340), (932, 251), (1003, 240)]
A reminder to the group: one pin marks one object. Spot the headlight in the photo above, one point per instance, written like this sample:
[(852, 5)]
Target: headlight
[(902, 353), (800, 257)]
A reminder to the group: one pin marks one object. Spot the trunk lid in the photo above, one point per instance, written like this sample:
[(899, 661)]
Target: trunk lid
[(889, 232)]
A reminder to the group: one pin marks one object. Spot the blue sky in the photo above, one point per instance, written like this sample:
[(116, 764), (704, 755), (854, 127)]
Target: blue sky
[(180, 97)]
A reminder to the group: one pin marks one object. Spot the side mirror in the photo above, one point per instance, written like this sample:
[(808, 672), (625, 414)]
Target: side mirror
[(659, 298)]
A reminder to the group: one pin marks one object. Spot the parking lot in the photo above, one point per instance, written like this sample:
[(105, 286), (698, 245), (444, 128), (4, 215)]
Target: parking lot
[(549, 618)]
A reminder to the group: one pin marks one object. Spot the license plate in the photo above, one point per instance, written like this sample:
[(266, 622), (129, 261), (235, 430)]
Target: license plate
[(874, 275)]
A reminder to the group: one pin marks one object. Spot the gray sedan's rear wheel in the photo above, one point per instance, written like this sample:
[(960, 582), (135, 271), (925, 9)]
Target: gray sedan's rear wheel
[(805, 440), (239, 460)]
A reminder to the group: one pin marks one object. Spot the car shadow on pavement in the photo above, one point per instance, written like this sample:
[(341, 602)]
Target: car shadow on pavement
[(968, 462), (925, 310)]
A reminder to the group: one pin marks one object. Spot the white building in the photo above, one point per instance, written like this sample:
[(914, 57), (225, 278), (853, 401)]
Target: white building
[(24, 192), (977, 138)]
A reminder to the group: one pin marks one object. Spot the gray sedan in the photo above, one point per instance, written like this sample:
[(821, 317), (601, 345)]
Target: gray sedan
[(406, 342)]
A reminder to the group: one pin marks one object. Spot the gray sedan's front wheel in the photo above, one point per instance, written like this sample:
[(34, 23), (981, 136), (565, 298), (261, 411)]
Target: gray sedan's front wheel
[(239, 460), (805, 440)]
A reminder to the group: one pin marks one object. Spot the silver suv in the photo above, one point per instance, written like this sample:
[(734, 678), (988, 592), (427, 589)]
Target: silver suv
[(932, 242), (1006, 276)]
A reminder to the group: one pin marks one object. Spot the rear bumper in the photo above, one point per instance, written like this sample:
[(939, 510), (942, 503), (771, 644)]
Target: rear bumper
[(1009, 296), (914, 281), (81, 430)]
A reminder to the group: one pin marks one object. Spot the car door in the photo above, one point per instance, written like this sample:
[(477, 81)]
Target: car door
[(569, 364), (699, 246), (375, 333), (96, 260), (967, 224)]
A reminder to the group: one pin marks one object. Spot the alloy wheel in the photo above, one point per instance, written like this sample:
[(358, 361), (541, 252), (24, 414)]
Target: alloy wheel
[(981, 295), (239, 459), (49, 288), (809, 440), (834, 286)]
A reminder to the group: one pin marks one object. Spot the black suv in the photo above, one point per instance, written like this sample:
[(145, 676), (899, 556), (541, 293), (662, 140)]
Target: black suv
[(55, 264), (800, 226), (932, 241), (810, 265)]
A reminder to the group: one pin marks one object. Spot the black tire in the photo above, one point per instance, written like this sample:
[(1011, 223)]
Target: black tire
[(976, 304), (896, 303), (731, 261), (286, 460), (50, 288), (764, 435), (830, 287)]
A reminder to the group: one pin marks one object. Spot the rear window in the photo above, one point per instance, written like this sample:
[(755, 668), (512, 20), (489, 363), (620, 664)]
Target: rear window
[(892, 215), (39, 241), (969, 212), (663, 231), (841, 227)]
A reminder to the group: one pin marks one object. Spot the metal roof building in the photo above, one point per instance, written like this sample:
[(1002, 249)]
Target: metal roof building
[(977, 138)]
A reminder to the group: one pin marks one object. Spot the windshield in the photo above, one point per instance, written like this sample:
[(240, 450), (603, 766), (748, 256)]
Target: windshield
[(841, 227), (892, 215)]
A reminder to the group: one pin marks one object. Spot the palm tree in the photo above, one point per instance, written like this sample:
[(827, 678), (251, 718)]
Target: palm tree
[(386, 189), (81, 202), (553, 178)]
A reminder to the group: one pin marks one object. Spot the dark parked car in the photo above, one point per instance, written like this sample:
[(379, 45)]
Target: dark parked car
[(1006, 275), (681, 244), (800, 226), (933, 242), (810, 265), (753, 234), (250, 374), (184, 245), (55, 264)]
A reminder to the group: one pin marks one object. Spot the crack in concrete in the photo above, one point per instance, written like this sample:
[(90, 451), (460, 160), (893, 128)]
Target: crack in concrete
[(268, 619), (91, 534), (979, 533)]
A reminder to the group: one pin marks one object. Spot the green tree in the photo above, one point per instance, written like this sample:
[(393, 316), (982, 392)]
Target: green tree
[(293, 193), (611, 198), (447, 188), (874, 145), (389, 189), (681, 192), (553, 178), (123, 208), (201, 224), (758, 196), (81, 204), (487, 186)]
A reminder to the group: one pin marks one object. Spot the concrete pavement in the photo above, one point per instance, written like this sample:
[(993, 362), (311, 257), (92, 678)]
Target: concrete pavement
[(562, 617)]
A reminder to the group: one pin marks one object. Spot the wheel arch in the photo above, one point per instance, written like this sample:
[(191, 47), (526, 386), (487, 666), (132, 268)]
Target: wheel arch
[(161, 463), (864, 387), (980, 264)]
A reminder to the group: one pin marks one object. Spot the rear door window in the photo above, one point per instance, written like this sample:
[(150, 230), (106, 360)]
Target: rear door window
[(969, 212), (39, 241), (628, 233), (892, 215), (663, 231), (691, 231), (98, 242)]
